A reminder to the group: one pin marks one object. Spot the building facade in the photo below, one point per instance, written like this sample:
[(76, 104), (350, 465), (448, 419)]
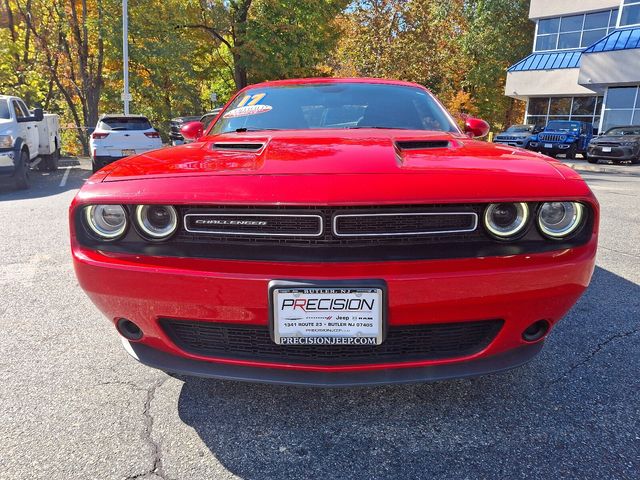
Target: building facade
[(585, 63)]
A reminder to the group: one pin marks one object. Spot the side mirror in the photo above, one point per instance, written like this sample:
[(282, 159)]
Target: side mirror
[(476, 128), (192, 130), (38, 114)]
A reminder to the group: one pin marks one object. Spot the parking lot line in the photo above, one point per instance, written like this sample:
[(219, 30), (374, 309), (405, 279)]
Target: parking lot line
[(63, 182)]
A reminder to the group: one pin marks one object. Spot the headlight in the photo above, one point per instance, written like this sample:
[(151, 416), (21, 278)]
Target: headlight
[(106, 221), (560, 219), (505, 220), (156, 221), (6, 141)]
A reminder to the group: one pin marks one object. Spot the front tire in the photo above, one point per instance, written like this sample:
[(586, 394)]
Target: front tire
[(592, 160), (22, 175), (636, 161), (571, 153)]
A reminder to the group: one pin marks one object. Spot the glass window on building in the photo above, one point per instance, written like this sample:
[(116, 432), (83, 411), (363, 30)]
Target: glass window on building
[(630, 13), (622, 107), (583, 109), (574, 31)]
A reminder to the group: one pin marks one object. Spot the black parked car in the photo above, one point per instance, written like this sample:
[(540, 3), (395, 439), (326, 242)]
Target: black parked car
[(209, 117), (617, 144), (175, 136), (176, 123)]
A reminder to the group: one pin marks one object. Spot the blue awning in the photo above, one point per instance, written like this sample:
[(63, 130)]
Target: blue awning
[(548, 61), (617, 40)]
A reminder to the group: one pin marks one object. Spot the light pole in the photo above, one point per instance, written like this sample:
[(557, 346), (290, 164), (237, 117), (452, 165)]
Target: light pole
[(126, 96)]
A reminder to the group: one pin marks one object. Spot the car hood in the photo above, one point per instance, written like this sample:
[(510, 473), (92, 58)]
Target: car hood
[(558, 132), (330, 152), (514, 134), (5, 124), (617, 139)]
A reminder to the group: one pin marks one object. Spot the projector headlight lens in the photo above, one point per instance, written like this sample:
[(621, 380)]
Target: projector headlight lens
[(560, 219), (107, 222), (157, 222), (506, 220)]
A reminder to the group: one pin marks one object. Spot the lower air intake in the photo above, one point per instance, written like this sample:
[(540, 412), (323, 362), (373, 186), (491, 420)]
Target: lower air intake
[(407, 343)]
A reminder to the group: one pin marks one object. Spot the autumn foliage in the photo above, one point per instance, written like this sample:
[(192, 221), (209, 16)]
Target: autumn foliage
[(65, 55)]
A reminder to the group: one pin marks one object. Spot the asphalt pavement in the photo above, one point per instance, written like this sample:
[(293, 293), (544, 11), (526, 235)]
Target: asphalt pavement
[(73, 405)]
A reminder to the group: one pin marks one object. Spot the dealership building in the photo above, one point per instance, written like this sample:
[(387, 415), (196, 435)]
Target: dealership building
[(585, 63)]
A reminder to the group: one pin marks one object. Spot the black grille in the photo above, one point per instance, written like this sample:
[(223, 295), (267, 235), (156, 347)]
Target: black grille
[(399, 224), (551, 137), (389, 223), (254, 224), (407, 343)]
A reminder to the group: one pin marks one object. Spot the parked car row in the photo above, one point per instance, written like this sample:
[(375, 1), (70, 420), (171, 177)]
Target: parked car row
[(570, 138)]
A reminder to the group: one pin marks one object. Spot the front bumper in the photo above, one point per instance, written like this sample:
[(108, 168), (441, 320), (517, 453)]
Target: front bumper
[(520, 289), (512, 143), (616, 153), (555, 148), (7, 162), (187, 366)]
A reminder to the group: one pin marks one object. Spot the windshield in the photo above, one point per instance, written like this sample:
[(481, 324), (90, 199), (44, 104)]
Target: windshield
[(564, 126), (124, 123), (622, 131), (4, 110), (337, 106), (520, 128)]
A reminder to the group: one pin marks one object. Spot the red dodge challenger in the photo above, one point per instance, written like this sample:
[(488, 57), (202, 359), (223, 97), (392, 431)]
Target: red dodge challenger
[(334, 232)]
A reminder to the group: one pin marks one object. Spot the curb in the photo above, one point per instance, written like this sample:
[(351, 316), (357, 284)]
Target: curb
[(590, 168)]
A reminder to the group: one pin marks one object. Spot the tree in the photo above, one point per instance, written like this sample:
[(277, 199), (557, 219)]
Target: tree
[(492, 46), (460, 49), (70, 34), (270, 38)]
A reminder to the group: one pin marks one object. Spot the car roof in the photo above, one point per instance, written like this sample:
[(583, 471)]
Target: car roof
[(326, 80)]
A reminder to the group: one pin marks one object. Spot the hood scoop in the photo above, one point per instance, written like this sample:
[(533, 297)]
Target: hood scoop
[(238, 146), (422, 144)]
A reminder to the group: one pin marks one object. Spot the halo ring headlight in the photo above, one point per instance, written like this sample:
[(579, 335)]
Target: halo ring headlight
[(107, 222), (156, 222), (558, 220), (506, 220)]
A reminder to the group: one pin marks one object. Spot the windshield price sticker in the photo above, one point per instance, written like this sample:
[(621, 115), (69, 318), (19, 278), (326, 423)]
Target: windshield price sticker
[(327, 316), (249, 105)]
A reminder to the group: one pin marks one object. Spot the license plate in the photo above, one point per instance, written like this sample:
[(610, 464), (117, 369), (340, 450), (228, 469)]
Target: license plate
[(331, 315), (126, 153), (548, 145), (606, 149)]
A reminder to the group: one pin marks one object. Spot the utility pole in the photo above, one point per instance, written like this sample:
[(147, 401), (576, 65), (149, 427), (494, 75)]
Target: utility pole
[(126, 96)]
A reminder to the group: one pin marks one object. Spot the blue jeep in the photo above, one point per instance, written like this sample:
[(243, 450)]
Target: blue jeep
[(563, 136), (517, 135)]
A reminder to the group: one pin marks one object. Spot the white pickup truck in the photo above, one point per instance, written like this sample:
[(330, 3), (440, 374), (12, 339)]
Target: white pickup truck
[(25, 136)]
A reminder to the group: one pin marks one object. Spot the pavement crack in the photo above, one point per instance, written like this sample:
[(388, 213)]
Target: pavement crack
[(626, 254), (122, 383), (156, 453), (593, 353)]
